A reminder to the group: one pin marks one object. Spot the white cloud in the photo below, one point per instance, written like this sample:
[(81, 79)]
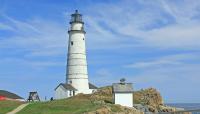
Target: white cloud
[(37, 36), (157, 63), (5, 27), (182, 11), (166, 61), (172, 82), (104, 77), (103, 73), (36, 64), (175, 36), (173, 76), (181, 33), (19, 26), (115, 26)]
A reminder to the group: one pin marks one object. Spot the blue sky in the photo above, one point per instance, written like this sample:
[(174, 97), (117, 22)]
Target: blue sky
[(151, 43)]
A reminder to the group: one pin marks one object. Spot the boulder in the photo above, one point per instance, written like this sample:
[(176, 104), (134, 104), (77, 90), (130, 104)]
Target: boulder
[(148, 96)]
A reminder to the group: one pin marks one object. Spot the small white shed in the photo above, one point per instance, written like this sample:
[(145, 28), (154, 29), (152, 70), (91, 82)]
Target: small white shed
[(123, 93)]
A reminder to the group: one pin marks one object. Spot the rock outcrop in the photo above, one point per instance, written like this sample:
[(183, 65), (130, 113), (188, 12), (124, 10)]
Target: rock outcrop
[(145, 99), (148, 96), (103, 94), (152, 100)]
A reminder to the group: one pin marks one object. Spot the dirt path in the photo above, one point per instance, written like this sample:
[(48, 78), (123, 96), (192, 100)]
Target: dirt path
[(18, 109)]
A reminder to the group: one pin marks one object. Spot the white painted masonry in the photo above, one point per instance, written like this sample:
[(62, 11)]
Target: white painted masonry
[(123, 93), (124, 99), (77, 74)]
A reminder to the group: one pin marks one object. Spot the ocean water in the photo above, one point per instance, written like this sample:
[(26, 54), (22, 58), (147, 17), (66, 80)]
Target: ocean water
[(186, 106)]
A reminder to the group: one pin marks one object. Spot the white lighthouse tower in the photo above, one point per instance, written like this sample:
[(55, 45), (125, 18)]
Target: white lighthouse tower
[(77, 74)]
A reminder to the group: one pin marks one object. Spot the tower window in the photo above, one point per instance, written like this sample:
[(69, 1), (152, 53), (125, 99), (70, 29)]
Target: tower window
[(72, 43), (70, 82), (83, 39)]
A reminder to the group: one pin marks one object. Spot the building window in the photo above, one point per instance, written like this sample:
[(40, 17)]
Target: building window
[(72, 43), (83, 39)]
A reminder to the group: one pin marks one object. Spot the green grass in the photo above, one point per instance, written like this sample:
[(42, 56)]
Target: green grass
[(74, 105), (7, 106)]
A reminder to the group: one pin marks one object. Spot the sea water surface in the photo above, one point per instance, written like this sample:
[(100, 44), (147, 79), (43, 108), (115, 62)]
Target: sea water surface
[(186, 106)]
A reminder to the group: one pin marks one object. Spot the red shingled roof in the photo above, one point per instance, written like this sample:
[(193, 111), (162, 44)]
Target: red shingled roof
[(9, 95), (2, 98)]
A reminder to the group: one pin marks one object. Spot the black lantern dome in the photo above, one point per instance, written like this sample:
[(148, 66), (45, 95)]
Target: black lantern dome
[(76, 17)]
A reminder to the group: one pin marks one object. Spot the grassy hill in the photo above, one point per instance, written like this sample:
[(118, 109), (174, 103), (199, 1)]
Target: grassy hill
[(8, 105), (99, 102), (80, 104), (75, 105)]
